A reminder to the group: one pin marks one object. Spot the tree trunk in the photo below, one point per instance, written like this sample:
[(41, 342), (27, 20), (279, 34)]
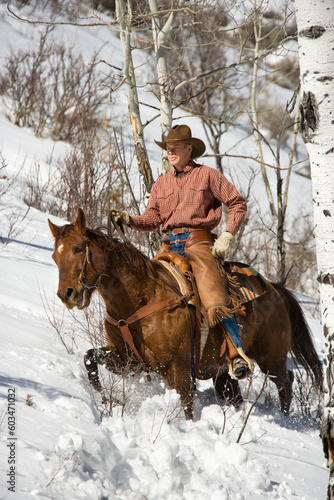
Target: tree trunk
[(160, 30), (124, 17), (315, 19), (257, 36)]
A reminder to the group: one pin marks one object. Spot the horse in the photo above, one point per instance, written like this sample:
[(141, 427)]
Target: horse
[(149, 324)]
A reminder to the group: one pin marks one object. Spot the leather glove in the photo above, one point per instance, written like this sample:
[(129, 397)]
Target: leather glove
[(222, 244), (120, 216)]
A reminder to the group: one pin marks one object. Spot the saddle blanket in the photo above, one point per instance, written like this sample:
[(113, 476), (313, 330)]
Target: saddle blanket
[(245, 282), (249, 283)]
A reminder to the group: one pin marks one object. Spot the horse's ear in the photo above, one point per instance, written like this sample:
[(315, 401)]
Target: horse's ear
[(80, 223), (54, 229)]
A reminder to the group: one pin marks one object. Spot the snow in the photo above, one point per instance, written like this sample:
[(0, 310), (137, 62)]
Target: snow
[(64, 447)]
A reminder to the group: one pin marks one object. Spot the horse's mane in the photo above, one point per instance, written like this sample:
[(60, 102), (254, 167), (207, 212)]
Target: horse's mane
[(140, 264)]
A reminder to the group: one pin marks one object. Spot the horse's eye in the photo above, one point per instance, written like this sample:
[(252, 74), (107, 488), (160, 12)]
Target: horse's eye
[(77, 249)]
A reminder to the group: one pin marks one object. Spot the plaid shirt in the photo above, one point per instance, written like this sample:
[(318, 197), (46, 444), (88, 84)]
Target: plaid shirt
[(195, 199)]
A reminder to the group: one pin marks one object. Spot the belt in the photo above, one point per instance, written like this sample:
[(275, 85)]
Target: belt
[(180, 230)]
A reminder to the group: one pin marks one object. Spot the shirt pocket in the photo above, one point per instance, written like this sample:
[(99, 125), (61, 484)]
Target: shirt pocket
[(167, 201), (201, 202), (200, 195)]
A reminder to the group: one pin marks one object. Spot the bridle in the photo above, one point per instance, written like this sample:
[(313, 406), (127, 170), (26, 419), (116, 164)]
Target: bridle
[(82, 275), (88, 259)]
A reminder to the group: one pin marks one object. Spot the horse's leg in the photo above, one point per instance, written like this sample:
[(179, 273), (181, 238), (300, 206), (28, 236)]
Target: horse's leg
[(92, 359), (283, 380), (267, 338), (178, 378), (108, 357), (284, 383), (286, 397), (227, 388)]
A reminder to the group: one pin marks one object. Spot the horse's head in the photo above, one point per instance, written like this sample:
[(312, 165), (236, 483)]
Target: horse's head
[(72, 256)]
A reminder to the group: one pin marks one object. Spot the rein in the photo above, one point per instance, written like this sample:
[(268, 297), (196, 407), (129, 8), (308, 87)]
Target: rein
[(119, 227), (195, 330)]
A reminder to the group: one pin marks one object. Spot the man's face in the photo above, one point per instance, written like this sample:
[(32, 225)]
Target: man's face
[(178, 154)]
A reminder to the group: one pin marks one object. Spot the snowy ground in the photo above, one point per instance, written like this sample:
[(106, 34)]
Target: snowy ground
[(62, 448), (51, 430)]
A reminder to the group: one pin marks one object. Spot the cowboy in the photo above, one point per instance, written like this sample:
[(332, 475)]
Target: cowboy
[(186, 200)]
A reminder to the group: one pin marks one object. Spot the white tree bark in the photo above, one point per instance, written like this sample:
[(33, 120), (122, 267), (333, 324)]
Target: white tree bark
[(315, 19), (257, 26), (159, 35), (124, 18), (160, 31)]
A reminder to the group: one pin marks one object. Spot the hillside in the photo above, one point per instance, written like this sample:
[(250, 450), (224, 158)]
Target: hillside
[(51, 422)]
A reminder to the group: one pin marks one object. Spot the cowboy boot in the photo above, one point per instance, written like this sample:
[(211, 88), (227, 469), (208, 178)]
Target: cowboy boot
[(239, 363)]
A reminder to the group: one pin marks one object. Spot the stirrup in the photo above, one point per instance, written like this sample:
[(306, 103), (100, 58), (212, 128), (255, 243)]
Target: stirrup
[(241, 357), (240, 368)]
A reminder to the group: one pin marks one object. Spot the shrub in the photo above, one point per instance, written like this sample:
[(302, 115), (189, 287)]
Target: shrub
[(90, 178), (53, 90)]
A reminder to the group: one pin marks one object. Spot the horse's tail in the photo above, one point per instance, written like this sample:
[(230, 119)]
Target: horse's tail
[(301, 338)]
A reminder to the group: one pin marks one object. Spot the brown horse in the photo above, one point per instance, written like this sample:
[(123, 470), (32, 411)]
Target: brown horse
[(135, 289)]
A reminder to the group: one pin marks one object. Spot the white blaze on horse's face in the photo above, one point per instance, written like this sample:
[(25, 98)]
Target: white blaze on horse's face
[(60, 248)]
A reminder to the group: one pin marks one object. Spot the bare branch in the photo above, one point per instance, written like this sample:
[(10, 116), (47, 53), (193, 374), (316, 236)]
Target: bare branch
[(56, 23), (251, 408)]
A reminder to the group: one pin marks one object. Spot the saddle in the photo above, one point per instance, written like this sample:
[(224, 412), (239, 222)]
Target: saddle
[(244, 284)]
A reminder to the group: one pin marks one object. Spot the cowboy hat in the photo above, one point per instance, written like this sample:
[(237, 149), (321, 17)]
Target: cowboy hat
[(182, 133)]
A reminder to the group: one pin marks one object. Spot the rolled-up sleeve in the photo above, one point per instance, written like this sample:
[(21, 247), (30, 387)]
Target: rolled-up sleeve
[(226, 193)]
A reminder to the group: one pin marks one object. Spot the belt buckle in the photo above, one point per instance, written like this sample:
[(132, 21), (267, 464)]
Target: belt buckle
[(178, 230)]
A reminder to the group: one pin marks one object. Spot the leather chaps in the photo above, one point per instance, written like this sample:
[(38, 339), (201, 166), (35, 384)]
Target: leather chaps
[(212, 286)]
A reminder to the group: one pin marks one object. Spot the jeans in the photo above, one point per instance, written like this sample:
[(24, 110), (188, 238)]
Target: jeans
[(178, 247), (232, 328), (229, 323)]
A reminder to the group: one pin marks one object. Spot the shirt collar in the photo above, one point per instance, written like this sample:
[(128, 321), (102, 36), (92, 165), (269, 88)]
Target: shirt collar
[(191, 165)]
